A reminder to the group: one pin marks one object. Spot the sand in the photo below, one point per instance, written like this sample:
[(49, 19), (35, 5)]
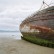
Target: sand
[(12, 46)]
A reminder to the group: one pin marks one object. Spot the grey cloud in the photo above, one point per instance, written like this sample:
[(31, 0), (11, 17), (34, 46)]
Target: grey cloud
[(13, 12), (18, 1)]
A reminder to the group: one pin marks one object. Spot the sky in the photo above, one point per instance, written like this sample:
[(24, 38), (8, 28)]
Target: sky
[(13, 12)]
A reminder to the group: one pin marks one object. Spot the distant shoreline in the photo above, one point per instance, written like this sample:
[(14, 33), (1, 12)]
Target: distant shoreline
[(9, 31)]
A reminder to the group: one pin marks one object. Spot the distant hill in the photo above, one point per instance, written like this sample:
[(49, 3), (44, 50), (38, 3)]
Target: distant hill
[(7, 31)]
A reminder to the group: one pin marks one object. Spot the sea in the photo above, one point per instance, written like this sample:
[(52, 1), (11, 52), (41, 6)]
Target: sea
[(12, 35)]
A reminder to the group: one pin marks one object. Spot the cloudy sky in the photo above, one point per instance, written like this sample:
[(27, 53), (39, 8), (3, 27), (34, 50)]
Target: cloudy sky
[(13, 12)]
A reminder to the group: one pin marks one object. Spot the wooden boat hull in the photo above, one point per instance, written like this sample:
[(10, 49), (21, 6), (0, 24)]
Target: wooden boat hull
[(39, 25)]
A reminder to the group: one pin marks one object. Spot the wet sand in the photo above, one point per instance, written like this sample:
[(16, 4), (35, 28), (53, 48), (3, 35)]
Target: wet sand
[(12, 46)]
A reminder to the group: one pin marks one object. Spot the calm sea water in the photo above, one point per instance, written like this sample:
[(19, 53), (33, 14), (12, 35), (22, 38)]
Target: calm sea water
[(13, 35)]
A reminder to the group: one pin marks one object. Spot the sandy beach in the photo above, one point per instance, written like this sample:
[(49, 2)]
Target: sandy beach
[(13, 46)]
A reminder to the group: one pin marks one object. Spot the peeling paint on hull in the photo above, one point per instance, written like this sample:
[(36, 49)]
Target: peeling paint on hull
[(40, 24)]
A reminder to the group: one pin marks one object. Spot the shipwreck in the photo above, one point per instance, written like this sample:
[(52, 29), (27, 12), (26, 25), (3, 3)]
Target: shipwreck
[(39, 27)]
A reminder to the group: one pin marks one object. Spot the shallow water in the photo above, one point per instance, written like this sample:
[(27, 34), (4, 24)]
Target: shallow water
[(13, 35)]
